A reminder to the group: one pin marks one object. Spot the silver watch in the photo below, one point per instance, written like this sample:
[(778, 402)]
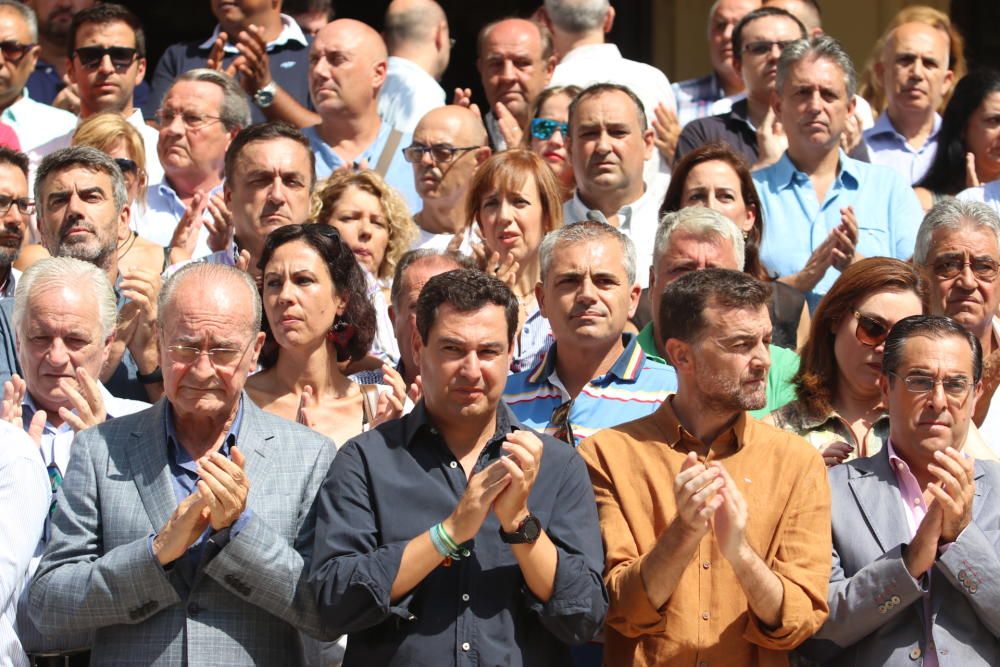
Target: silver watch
[(264, 97)]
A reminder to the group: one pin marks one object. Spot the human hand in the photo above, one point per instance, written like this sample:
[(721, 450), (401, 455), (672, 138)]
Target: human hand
[(483, 488), (919, 555), (666, 131), (463, 98), (851, 136), (954, 491), (696, 490), (12, 409), (185, 237), (243, 264), (771, 140), (730, 519), (416, 390), (306, 402), (68, 99), (836, 453), (220, 224), (182, 529), (843, 253), (522, 461), (217, 54), (971, 177), (142, 287), (390, 403), (85, 397), (252, 64), (225, 486), (510, 130)]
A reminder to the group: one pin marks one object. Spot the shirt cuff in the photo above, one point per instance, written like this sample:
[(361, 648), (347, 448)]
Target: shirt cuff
[(226, 535)]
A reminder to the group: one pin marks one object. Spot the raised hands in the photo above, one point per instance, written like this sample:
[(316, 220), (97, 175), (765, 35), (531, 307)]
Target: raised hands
[(12, 409), (85, 397), (463, 98), (390, 403), (251, 67), (484, 486), (666, 131), (220, 223), (185, 238), (224, 486), (771, 140), (522, 461), (696, 490), (953, 491), (510, 130)]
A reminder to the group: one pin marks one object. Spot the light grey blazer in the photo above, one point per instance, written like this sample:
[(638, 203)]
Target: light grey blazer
[(876, 608), (244, 606)]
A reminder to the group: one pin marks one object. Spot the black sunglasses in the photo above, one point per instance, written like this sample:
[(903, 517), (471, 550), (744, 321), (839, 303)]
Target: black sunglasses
[(127, 166), (13, 51), (122, 57)]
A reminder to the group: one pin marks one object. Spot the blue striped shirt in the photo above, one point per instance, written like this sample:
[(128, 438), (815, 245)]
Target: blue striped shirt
[(634, 387)]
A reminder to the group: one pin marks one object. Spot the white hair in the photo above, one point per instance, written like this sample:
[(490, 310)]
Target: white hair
[(207, 273), (703, 223), (952, 213), (577, 16), (68, 272)]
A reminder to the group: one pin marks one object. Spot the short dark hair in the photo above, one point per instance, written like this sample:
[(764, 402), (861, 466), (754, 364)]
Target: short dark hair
[(929, 326), (15, 158), (266, 132), (411, 257), (465, 290), (348, 279), (683, 304), (103, 14), (293, 7), (600, 89), (761, 13)]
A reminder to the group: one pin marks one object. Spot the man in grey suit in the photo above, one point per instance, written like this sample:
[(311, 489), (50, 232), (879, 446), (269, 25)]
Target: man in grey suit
[(916, 532), (183, 533)]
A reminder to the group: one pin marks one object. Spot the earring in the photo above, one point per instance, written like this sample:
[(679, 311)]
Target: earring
[(341, 333)]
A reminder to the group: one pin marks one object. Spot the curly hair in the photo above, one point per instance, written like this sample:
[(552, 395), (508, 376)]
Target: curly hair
[(348, 279), (402, 230)]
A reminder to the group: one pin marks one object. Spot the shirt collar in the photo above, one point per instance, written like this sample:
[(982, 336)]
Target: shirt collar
[(290, 32), (883, 127), (626, 367), (173, 442), (625, 214), (419, 421), (741, 112), (674, 432), (787, 175)]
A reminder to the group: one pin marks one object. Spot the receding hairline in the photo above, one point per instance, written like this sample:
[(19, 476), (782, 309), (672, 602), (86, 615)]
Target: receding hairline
[(509, 23), (357, 35), (470, 127), (942, 34)]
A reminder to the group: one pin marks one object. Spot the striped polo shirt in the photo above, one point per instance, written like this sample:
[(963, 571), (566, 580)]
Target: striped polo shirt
[(634, 387)]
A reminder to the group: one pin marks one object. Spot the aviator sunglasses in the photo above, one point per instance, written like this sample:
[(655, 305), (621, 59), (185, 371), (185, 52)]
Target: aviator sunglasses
[(870, 331)]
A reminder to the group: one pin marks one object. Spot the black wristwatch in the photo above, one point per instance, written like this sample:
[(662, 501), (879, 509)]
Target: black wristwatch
[(527, 531)]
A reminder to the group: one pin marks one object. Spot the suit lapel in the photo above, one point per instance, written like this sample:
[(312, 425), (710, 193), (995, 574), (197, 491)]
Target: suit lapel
[(254, 440), (877, 494), (147, 453)]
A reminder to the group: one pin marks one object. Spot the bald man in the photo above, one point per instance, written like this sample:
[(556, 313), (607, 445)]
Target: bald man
[(515, 64), (806, 11), (347, 69), (916, 76), (416, 34), (448, 145)]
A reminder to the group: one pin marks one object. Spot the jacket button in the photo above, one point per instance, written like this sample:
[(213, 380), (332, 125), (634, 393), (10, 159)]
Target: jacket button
[(881, 609), (973, 588), (895, 600), (193, 609), (915, 653), (962, 575)]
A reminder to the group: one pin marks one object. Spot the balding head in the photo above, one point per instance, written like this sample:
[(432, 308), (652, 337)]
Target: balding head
[(461, 125), (914, 71), (417, 30), (445, 184), (347, 64), (515, 64)]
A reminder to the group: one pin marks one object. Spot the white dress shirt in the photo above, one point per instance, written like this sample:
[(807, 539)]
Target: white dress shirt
[(40, 128), (408, 93)]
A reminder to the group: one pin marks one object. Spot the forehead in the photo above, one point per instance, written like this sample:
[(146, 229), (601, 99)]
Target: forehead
[(13, 26), (601, 254), (48, 304), (919, 38), (818, 72), (222, 310), (76, 176), (966, 237), (416, 275), (686, 245), (115, 33), (13, 180), (612, 106), (279, 154), (713, 172), (338, 38), (512, 38), (948, 353), (771, 27), (726, 320), (485, 325), (439, 127), (299, 254), (555, 106), (734, 9), (194, 96)]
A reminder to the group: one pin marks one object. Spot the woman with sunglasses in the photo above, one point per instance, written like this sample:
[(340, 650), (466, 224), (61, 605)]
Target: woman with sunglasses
[(838, 396), (548, 133), (111, 133)]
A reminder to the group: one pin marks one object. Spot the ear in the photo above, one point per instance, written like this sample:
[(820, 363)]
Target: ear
[(609, 20), (633, 299), (140, 72), (440, 36), (343, 305), (392, 316), (738, 66), (106, 352), (947, 82), (977, 393), (380, 69), (483, 154), (649, 144), (550, 66), (852, 105), (879, 70), (776, 103), (123, 219), (540, 299), (883, 385), (417, 348), (679, 354), (227, 194)]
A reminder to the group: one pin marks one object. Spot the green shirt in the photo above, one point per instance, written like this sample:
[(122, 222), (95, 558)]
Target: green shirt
[(784, 366)]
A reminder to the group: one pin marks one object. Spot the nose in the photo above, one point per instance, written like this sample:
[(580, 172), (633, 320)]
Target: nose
[(276, 193), (966, 278), (426, 158), (469, 368), (57, 354), (937, 397), (286, 292), (105, 66), (505, 211), (507, 70), (587, 292)]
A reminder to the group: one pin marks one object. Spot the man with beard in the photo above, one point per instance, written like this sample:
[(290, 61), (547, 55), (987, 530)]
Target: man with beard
[(16, 206), (716, 527), (448, 145)]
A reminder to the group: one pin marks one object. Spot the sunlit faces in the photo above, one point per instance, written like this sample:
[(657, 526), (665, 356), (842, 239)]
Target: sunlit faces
[(444, 182), (922, 423), (511, 65), (982, 137), (193, 150), (344, 70), (240, 11), (553, 150), (968, 300), (914, 68), (759, 71), (300, 299), (716, 184), (363, 225), (687, 252), (463, 365), (813, 105), (13, 184), (77, 215), (586, 295), (61, 333), (858, 365), (608, 144), (404, 320), (105, 88), (14, 74), (512, 220), (720, 32)]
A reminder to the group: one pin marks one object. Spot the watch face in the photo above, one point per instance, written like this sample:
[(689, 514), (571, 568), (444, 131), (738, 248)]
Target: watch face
[(531, 528)]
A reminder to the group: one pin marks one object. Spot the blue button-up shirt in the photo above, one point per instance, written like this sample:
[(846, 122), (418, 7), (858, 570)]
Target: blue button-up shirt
[(399, 175), (795, 222), (887, 147)]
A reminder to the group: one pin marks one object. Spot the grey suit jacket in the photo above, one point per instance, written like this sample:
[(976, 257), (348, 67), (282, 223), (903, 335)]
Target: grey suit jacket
[(248, 597), (876, 607)]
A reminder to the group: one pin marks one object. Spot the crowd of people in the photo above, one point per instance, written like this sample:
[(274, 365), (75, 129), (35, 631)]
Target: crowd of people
[(308, 361)]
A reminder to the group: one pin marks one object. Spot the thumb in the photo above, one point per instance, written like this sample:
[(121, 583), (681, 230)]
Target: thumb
[(237, 456), (971, 177)]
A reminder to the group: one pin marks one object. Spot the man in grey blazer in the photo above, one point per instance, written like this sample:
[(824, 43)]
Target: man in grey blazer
[(916, 528), (183, 533)]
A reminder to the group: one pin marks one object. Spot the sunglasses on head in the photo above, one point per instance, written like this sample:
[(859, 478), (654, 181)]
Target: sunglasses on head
[(543, 128), (122, 57), (13, 51), (870, 331)]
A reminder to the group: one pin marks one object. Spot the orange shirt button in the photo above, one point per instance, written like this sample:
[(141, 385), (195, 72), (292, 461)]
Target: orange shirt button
[(706, 565), (704, 615)]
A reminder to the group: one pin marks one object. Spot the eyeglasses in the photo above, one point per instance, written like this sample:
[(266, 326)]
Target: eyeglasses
[(543, 128), (870, 331), (24, 205), (218, 356), (127, 166), (14, 51), (440, 153), (949, 266), (191, 120), (122, 57), (764, 46), (954, 387), (560, 422)]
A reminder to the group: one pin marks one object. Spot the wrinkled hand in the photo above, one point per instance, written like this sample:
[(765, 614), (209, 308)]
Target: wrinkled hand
[(185, 238), (844, 252), (522, 461), (390, 403), (730, 519), (142, 287), (971, 177), (225, 487), (182, 529), (484, 486), (954, 491), (771, 140), (68, 99), (220, 224), (85, 397), (12, 409), (919, 555), (666, 131), (696, 490), (836, 453), (510, 130), (463, 98)]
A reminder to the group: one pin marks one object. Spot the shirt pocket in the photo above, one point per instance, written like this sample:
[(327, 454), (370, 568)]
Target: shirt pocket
[(873, 242)]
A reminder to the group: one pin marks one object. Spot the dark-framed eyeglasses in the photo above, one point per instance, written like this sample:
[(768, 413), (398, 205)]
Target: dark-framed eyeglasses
[(764, 46), (949, 266), (870, 331), (24, 204), (13, 50), (563, 429), (190, 120), (122, 57), (955, 388), (543, 128), (219, 357), (440, 153), (127, 166)]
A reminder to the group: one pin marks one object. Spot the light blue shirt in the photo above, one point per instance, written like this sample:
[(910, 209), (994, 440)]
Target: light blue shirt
[(889, 148), (795, 222), (157, 220), (399, 175)]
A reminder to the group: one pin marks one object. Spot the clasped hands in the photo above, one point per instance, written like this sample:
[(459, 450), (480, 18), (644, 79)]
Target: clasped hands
[(709, 500), (218, 501)]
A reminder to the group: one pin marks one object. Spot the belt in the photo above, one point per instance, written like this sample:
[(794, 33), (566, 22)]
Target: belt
[(74, 659)]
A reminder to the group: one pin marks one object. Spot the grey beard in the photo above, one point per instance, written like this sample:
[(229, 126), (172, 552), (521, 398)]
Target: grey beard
[(100, 258)]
